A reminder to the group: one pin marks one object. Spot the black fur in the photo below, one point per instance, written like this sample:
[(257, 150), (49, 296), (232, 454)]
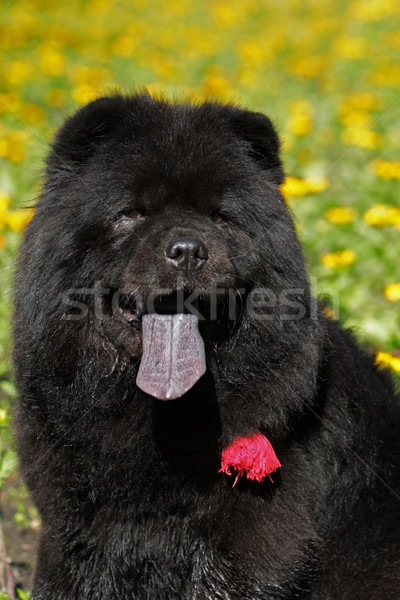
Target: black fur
[(132, 503)]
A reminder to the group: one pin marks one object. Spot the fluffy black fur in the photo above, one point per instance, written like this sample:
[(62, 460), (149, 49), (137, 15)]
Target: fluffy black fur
[(133, 506)]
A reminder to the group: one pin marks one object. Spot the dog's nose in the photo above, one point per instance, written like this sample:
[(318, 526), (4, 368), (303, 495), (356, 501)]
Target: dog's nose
[(187, 255)]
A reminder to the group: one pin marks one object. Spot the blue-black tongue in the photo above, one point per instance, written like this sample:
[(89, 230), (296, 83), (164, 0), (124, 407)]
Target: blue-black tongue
[(173, 357)]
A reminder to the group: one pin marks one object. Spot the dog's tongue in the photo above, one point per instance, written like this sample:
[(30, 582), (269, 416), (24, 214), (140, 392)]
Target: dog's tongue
[(173, 355)]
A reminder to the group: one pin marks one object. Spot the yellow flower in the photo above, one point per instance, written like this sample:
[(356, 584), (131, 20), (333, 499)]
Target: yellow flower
[(299, 124), (351, 47), (4, 202), (343, 258), (99, 6), (341, 214), (361, 101), (125, 45), (9, 103), (32, 113), (389, 360), (254, 53), (392, 292), (385, 75), (90, 76), (12, 145), (308, 66), (229, 14), (17, 220), (374, 10), (2, 241), (391, 40), (386, 169), (359, 135), (298, 187), (381, 215), (216, 83), (355, 118), (51, 61), (300, 107), (85, 93), (19, 71)]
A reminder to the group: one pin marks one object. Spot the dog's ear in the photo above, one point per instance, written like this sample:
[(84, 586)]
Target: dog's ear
[(91, 127), (264, 144)]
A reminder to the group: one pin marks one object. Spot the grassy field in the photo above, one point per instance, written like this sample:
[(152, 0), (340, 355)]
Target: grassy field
[(326, 71)]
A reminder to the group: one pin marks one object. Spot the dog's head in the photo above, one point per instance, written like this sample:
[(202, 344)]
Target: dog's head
[(151, 207)]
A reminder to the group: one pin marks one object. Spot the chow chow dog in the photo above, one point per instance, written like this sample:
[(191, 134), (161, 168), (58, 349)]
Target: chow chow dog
[(190, 424)]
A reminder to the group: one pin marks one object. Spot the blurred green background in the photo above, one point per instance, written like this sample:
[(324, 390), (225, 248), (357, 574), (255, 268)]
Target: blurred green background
[(326, 71)]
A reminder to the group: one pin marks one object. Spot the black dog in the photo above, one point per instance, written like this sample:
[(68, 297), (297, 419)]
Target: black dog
[(162, 264)]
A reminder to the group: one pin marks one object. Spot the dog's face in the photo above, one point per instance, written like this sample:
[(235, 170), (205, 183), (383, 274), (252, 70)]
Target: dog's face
[(157, 208)]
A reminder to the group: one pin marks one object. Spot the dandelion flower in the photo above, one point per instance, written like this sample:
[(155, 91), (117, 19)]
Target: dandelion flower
[(381, 215), (387, 359), (17, 220), (343, 258), (386, 169), (297, 187), (358, 135), (392, 292), (341, 214), (4, 202)]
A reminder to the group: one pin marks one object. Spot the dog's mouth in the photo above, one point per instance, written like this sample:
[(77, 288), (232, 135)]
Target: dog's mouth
[(127, 308), (174, 328), (207, 309)]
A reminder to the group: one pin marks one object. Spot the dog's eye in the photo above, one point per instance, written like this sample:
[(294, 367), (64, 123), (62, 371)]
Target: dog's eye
[(135, 213), (218, 218), (124, 218)]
